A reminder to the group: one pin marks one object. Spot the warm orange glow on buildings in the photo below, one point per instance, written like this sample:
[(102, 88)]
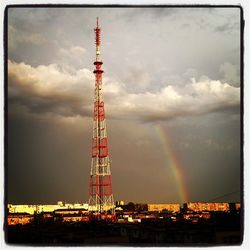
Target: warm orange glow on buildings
[(31, 209), (237, 206), (168, 207), (72, 215), (69, 211), (192, 211), (195, 217), (75, 219), (19, 218), (202, 206)]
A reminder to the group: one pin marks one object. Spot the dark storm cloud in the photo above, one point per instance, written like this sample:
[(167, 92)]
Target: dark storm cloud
[(55, 160), (47, 160), (208, 148)]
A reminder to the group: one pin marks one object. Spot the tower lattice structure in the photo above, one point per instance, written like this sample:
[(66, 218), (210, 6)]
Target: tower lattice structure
[(101, 199)]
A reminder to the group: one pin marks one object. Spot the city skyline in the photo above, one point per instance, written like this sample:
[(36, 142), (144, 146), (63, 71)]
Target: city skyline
[(172, 95)]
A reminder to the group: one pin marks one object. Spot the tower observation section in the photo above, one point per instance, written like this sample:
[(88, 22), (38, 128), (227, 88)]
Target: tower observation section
[(101, 201)]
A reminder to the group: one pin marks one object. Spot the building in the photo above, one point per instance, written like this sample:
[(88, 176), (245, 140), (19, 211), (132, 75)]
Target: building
[(234, 207), (120, 203), (19, 218), (237, 206), (203, 206), (195, 217), (72, 215), (168, 207), (31, 209)]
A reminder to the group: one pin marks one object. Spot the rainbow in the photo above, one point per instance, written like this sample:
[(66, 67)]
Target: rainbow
[(172, 162)]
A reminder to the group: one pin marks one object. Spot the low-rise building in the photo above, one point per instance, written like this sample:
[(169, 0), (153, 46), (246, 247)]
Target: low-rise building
[(205, 206), (31, 209), (120, 203), (195, 217), (168, 207), (237, 206), (19, 218), (72, 215), (73, 211)]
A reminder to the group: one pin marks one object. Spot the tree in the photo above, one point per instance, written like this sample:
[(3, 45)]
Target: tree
[(131, 206)]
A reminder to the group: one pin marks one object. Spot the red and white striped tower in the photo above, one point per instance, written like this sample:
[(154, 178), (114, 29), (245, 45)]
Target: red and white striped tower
[(101, 199)]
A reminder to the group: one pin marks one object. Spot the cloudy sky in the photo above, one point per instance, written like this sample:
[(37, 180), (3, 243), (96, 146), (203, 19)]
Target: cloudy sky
[(172, 96)]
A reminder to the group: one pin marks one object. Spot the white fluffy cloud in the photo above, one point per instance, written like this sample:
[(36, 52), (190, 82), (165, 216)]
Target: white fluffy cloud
[(51, 89)]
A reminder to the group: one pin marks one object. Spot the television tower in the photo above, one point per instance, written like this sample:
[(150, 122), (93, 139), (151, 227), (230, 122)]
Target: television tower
[(101, 200)]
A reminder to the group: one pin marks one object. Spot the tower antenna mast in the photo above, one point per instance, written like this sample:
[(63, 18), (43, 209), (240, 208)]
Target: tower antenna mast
[(101, 200)]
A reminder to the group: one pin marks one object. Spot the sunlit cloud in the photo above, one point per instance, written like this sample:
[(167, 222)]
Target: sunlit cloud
[(49, 88)]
